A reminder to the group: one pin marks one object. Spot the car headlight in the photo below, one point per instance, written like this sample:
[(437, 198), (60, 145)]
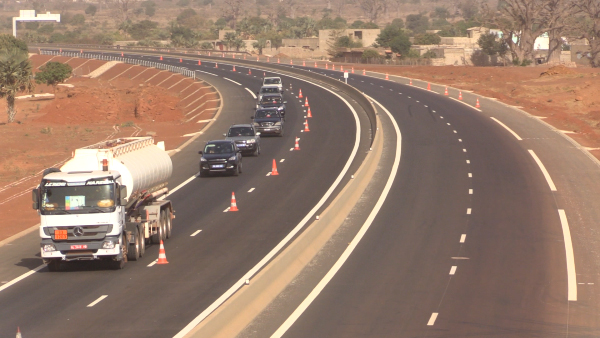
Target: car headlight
[(108, 245), (251, 141), (232, 158), (278, 123), (279, 108), (202, 159), (49, 248)]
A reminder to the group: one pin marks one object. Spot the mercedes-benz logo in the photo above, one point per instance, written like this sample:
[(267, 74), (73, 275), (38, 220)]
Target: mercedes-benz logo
[(78, 231)]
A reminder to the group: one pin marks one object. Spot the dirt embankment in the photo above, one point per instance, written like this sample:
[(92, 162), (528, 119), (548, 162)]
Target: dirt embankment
[(124, 101), (569, 98)]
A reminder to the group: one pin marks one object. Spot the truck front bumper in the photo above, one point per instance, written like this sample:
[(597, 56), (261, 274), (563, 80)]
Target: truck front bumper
[(73, 251)]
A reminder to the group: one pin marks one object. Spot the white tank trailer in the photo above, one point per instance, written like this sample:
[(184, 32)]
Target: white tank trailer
[(106, 203)]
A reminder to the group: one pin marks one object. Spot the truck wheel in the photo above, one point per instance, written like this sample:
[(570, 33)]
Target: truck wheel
[(142, 243), (158, 236), (120, 264), (134, 248), (54, 265), (163, 224), (117, 265), (169, 223)]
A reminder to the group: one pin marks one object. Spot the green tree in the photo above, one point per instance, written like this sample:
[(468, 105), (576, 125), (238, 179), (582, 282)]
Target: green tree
[(228, 39), (8, 41), (370, 25), (238, 44), (417, 23), (143, 29), (357, 24), (491, 45), (428, 39), (386, 36), (78, 20), (149, 8), (260, 44), (206, 45), (401, 45), (46, 29), (91, 10), (53, 73), (398, 23), (15, 77), (370, 54)]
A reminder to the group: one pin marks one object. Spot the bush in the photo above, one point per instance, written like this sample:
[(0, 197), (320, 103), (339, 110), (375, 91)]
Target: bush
[(369, 54), (427, 39)]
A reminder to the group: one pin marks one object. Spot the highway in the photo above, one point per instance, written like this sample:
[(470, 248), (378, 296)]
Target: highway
[(472, 239)]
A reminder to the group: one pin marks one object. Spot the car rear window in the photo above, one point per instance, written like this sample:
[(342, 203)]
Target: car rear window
[(240, 131), (266, 114), (271, 99), (222, 148), (272, 81)]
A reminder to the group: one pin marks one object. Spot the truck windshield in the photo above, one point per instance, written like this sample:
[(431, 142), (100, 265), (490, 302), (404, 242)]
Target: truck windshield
[(81, 197)]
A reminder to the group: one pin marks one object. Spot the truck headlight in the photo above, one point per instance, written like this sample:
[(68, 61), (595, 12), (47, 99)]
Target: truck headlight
[(49, 248), (108, 245)]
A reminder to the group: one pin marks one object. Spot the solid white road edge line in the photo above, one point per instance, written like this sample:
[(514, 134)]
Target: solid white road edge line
[(242, 281), (466, 104), (97, 300), (507, 128), (21, 277), (195, 233), (251, 93), (571, 275), (237, 83), (201, 71), (338, 264), (544, 171)]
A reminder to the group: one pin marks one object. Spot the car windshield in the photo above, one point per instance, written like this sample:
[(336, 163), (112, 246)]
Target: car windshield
[(240, 131), (219, 148), (82, 197), (261, 114), (271, 100), (269, 90), (272, 81)]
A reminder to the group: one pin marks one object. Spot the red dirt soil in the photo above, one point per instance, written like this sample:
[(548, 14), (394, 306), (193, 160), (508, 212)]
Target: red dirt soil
[(114, 105)]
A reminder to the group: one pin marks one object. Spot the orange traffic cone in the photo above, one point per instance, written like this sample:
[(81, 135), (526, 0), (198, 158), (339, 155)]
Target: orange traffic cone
[(60, 50), (274, 170), (306, 102), (244, 56), (81, 51), (316, 66), (268, 59), (233, 203), (300, 94), (446, 91), (341, 68), (291, 63), (19, 332), (364, 71), (303, 63), (387, 77), (326, 66), (333, 66), (309, 113), (352, 70), (249, 71), (161, 58), (460, 95), (122, 54), (257, 58), (162, 257), (278, 60), (234, 68), (306, 130), (216, 65), (233, 56), (199, 63), (410, 82), (180, 60), (208, 53), (428, 86), (222, 55), (477, 104), (297, 145)]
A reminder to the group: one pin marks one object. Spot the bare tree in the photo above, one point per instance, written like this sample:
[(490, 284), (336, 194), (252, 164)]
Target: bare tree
[(293, 6), (589, 27), (521, 22), (372, 8), (339, 7), (123, 7), (233, 9), (558, 13)]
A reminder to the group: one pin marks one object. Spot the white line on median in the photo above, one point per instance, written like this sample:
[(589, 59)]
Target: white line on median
[(507, 128), (571, 275), (544, 171), (338, 264), (237, 83), (251, 93), (195, 233), (432, 319), (97, 300)]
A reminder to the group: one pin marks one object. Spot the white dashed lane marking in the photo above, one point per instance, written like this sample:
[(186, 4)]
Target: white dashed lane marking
[(195, 233), (97, 300)]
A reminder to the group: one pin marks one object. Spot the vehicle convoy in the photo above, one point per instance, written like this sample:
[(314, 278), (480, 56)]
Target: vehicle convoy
[(246, 138), (220, 156), (273, 101), (268, 121), (268, 89), (105, 203)]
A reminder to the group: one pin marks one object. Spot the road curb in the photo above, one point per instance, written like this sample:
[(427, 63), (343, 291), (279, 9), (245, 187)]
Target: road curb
[(241, 308)]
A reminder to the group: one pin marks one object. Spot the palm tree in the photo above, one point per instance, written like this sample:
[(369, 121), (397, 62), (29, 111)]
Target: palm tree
[(228, 39), (15, 76)]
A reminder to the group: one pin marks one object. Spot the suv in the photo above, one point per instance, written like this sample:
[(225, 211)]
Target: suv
[(273, 80), (268, 121), (273, 101), (245, 137), (220, 156), (268, 89)]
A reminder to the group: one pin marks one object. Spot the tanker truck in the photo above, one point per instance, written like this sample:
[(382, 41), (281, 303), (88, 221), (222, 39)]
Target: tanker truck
[(106, 203)]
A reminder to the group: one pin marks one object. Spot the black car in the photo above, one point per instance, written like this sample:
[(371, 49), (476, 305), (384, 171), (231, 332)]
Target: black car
[(273, 101), (268, 121), (220, 156)]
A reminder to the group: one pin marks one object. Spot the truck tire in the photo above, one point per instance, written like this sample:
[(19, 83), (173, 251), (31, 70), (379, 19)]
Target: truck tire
[(169, 220), (134, 248), (120, 264), (54, 265), (142, 243), (159, 234), (163, 224)]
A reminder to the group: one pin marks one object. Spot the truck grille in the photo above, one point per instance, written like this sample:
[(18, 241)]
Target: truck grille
[(82, 232), (267, 124)]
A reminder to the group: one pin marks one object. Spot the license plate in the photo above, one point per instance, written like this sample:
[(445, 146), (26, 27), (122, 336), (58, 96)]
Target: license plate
[(267, 129), (78, 247), (60, 234), (218, 166)]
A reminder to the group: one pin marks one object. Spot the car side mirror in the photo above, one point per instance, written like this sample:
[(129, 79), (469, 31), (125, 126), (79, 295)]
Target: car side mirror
[(122, 194), (200, 152), (35, 199)]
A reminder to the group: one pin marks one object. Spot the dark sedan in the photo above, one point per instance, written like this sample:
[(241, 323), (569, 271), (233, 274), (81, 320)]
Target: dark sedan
[(273, 101), (268, 121), (220, 156)]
